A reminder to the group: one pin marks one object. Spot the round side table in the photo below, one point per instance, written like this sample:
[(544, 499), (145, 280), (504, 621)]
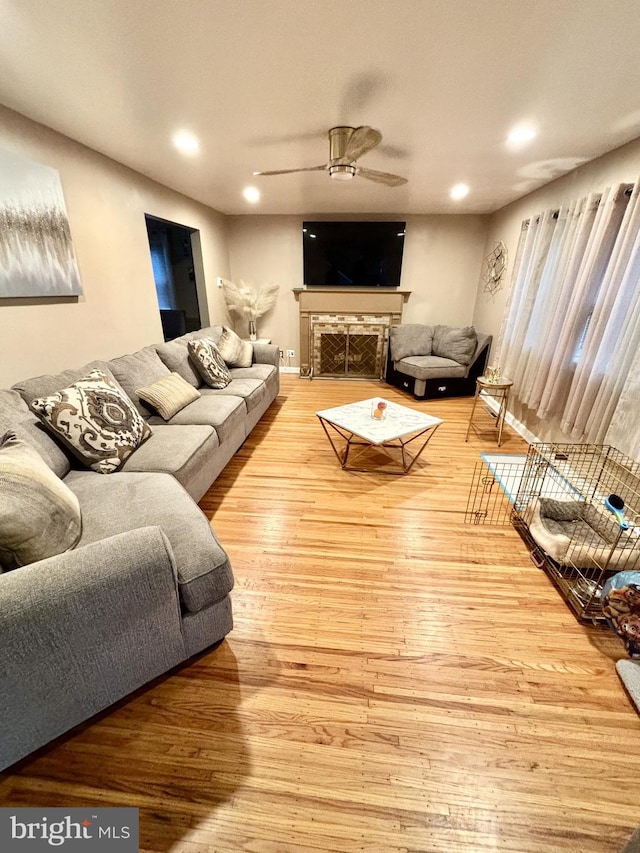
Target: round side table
[(500, 390)]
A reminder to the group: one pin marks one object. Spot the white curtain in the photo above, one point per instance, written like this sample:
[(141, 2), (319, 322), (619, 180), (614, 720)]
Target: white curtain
[(579, 288), (613, 336), (571, 233), (535, 240), (576, 279)]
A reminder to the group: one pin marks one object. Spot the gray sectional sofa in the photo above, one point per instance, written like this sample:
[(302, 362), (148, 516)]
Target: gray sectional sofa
[(148, 584), (436, 361)]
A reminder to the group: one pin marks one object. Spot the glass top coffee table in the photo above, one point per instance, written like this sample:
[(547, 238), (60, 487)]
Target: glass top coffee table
[(401, 434)]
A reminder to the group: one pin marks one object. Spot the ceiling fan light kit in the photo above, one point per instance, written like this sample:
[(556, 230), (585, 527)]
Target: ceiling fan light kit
[(342, 173), (346, 145)]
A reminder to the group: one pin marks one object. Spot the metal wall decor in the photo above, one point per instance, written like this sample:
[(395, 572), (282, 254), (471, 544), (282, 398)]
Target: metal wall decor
[(495, 268)]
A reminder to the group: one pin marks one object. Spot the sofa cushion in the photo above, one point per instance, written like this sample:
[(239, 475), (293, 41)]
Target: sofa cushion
[(209, 363), (169, 395), (39, 515), (15, 415), (114, 504), (252, 391), (213, 332), (265, 372), (458, 344), (139, 370), (188, 452), (175, 356), (218, 409), (96, 420), (430, 367), (49, 383), (265, 353), (409, 339), (235, 351)]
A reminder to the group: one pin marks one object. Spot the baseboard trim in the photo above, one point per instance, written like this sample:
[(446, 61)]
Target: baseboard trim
[(289, 370)]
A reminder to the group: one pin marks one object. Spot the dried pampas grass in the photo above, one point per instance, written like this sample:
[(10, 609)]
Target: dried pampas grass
[(249, 302)]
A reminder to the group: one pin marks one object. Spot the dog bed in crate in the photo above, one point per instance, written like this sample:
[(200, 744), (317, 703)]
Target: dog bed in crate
[(578, 532)]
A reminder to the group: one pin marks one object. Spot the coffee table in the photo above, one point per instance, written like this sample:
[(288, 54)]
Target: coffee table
[(351, 429)]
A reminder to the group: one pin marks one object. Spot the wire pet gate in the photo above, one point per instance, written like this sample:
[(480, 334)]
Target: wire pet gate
[(555, 498)]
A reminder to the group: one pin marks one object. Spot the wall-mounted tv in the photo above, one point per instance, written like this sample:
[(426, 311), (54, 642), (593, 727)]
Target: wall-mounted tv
[(352, 254)]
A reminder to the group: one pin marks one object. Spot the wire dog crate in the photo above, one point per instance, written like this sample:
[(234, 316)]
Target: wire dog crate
[(564, 500)]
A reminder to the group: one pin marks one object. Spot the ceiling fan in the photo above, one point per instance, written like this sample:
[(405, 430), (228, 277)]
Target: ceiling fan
[(346, 145)]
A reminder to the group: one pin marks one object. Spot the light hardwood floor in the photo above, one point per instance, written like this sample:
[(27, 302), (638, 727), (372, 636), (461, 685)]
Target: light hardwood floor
[(396, 680)]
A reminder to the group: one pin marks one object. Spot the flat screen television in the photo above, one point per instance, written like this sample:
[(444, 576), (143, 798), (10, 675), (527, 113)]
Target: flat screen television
[(352, 254)]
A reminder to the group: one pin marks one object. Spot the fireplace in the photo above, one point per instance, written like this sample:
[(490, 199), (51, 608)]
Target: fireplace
[(352, 347), (344, 333)]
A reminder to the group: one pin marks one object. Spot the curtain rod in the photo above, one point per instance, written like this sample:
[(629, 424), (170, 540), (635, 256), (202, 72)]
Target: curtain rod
[(526, 222)]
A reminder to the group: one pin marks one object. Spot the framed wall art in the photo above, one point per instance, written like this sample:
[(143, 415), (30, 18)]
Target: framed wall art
[(36, 251)]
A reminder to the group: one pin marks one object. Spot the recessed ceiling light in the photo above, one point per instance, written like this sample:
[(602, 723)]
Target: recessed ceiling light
[(186, 142), (251, 194), (521, 135), (459, 191)]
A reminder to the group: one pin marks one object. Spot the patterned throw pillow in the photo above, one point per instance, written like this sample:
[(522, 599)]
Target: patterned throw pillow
[(209, 362), (169, 395), (235, 351), (39, 514), (96, 420)]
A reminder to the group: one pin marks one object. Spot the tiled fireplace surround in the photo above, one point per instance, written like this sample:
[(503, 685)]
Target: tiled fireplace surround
[(344, 332)]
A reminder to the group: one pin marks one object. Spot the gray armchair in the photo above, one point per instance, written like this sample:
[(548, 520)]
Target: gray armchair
[(436, 361)]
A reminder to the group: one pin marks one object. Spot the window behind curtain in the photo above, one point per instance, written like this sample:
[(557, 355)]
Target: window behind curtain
[(567, 322)]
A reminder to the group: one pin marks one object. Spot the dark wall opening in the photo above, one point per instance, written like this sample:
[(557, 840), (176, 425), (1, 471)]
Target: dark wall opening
[(174, 276)]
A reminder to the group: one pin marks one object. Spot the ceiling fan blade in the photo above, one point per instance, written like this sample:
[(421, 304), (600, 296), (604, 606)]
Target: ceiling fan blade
[(381, 177), (322, 168), (362, 139)]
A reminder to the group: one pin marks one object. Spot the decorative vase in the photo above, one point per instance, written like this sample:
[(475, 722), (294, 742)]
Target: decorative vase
[(492, 375), (253, 334)]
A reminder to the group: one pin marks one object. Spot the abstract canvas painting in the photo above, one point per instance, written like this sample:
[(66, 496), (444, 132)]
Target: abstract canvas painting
[(36, 252)]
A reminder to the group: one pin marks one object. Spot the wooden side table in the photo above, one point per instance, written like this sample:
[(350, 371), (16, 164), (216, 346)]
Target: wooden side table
[(500, 390)]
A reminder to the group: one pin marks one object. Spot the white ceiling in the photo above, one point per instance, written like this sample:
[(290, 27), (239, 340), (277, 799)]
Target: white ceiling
[(261, 81)]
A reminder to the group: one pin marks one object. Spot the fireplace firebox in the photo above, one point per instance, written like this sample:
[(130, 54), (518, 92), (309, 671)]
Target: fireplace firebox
[(350, 348), (344, 332)]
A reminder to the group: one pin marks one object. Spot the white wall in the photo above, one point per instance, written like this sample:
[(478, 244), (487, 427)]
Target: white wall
[(619, 166), (118, 311), (441, 263)]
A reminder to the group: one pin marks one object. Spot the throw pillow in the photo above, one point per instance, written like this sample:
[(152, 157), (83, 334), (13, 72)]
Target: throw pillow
[(235, 351), (39, 514), (409, 339), (169, 395), (209, 362), (175, 355), (96, 420), (457, 344)]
